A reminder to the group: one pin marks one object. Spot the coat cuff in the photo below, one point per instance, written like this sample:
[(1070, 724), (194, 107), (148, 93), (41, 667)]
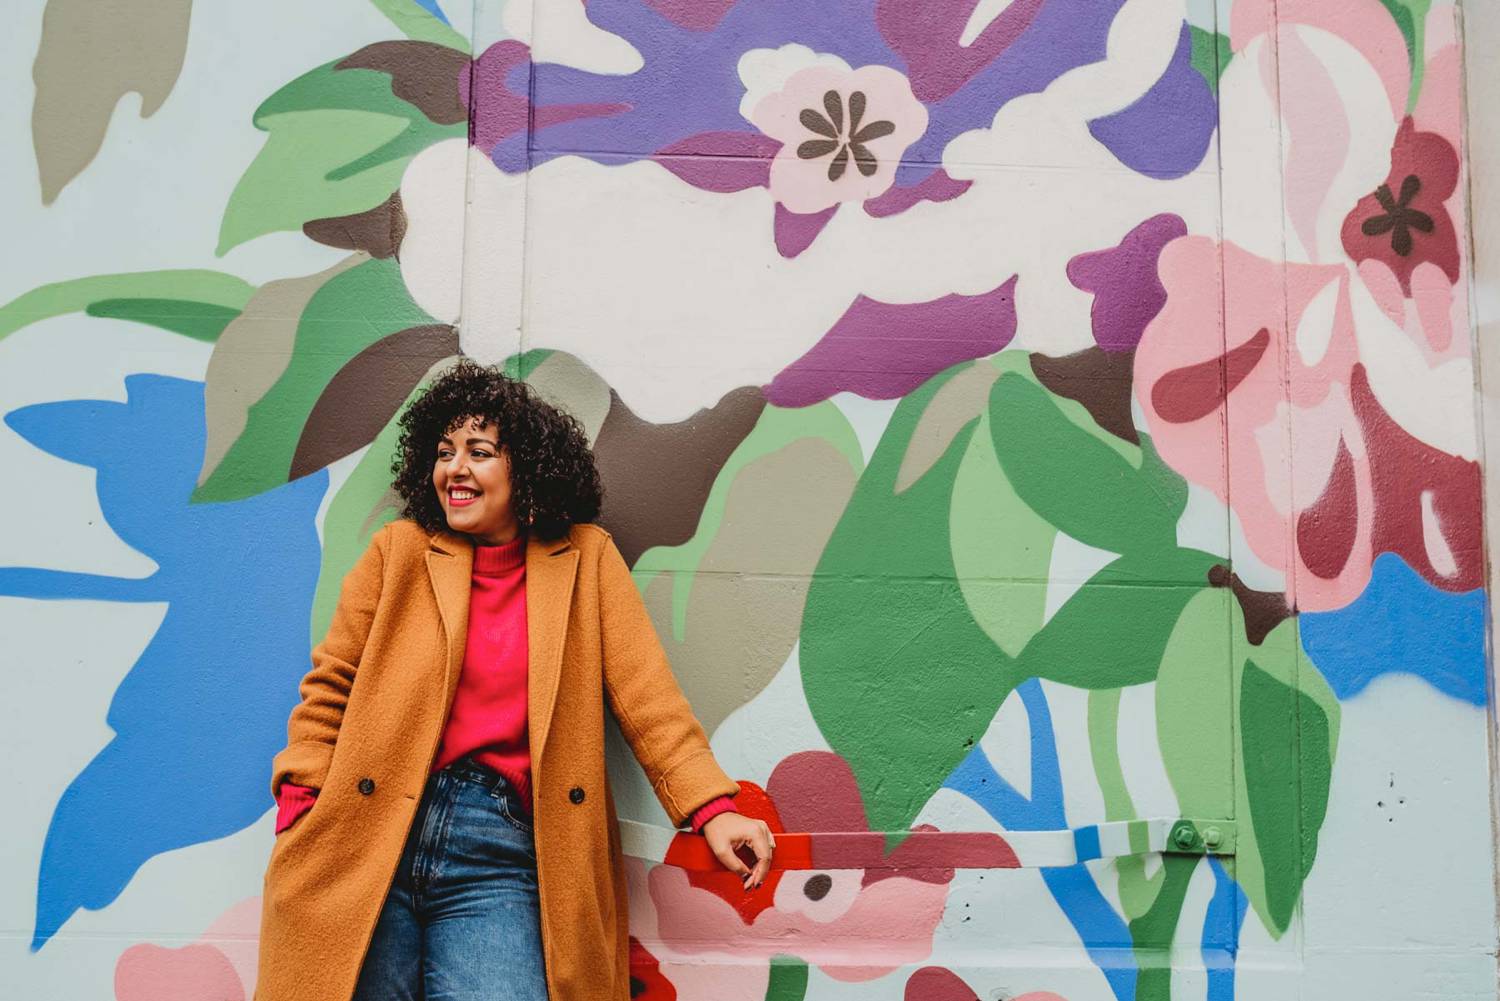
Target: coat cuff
[(292, 803), (710, 810), (695, 779)]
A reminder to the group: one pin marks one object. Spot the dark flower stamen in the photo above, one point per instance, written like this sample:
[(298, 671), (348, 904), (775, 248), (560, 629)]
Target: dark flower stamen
[(831, 127), (1399, 218)]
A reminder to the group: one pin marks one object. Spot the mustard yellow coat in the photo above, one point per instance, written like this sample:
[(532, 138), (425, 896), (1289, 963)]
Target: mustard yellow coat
[(367, 730)]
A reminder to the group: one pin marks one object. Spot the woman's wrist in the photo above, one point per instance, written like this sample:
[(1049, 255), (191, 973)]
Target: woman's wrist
[(710, 810)]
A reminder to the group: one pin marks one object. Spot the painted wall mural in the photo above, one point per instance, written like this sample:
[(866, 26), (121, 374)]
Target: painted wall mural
[(1043, 432)]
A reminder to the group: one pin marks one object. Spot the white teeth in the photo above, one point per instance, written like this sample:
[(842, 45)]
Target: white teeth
[(462, 494)]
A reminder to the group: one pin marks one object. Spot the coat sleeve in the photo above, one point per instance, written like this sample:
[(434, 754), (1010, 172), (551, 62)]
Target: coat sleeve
[(643, 694), (314, 724)]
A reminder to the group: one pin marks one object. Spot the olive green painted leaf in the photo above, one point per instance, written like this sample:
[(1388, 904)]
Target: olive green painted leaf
[(1279, 750), (901, 680), (1092, 485), (729, 602), (189, 302), (419, 24), (339, 141), (354, 309), (91, 55)]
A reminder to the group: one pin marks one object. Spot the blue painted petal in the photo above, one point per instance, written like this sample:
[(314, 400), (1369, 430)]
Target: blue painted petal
[(200, 714), (1221, 932), (431, 7), (1401, 624), (1166, 131)]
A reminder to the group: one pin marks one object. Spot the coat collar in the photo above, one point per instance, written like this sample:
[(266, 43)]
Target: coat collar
[(551, 572)]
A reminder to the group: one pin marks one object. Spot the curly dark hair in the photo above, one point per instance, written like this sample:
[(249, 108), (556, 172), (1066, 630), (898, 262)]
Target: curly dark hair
[(553, 478)]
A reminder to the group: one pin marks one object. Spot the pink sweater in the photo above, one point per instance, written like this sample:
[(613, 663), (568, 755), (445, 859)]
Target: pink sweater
[(488, 716)]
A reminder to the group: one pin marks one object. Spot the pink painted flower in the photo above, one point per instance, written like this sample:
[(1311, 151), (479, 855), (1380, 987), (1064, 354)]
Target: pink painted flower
[(1335, 328), (1293, 365), (220, 966), (842, 133)]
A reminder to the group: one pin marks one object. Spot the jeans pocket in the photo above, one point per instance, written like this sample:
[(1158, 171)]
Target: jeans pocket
[(510, 811)]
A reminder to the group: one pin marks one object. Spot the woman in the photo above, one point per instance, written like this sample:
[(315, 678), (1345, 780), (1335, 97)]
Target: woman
[(445, 825)]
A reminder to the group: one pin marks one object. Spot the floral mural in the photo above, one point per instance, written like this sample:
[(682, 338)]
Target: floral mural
[(1043, 432)]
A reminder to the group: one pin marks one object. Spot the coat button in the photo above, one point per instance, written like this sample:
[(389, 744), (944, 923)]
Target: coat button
[(576, 794), (366, 786)]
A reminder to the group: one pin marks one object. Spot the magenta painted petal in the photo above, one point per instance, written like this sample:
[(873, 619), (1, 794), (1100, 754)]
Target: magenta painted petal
[(498, 112), (1128, 293), (694, 15), (935, 187), (556, 114), (795, 231), (721, 161), (881, 351), (926, 34)]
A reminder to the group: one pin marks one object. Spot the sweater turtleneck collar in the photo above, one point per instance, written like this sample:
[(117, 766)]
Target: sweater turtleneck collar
[(492, 561)]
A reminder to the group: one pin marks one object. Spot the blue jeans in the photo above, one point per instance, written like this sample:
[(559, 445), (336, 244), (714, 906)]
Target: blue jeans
[(461, 921)]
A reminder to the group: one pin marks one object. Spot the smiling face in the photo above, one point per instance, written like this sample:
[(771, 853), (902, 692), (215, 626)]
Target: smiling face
[(471, 474)]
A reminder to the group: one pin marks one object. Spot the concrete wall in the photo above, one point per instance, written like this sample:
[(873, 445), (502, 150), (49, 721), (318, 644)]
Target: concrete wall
[(1080, 452)]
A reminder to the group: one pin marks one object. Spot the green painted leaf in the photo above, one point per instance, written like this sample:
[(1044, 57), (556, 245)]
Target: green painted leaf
[(202, 321), (787, 980), (1002, 549), (900, 679), (1411, 17), (353, 310), (1115, 630), (1095, 487), (1288, 763), (419, 24), (1266, 718), (194, 287), (1211, 55), (339, 141), (1152, 933), (1195, 706)]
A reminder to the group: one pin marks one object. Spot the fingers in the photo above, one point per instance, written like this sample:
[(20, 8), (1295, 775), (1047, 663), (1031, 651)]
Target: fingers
[(762, 844), (729, 860)]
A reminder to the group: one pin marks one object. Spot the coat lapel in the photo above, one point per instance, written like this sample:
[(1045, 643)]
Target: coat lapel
[(450, 566), (551, 569)]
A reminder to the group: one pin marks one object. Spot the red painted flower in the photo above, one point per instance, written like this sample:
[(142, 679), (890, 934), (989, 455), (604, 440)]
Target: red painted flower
[(646, 980), (1403, 223)]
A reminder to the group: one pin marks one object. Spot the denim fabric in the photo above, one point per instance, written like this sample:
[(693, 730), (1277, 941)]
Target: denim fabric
[(461, 921)]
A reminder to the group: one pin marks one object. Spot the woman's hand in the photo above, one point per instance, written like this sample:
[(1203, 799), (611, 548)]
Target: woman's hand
[(729, 831)]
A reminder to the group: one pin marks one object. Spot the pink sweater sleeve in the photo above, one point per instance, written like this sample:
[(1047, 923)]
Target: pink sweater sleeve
[(709, 811), (293, 802)]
